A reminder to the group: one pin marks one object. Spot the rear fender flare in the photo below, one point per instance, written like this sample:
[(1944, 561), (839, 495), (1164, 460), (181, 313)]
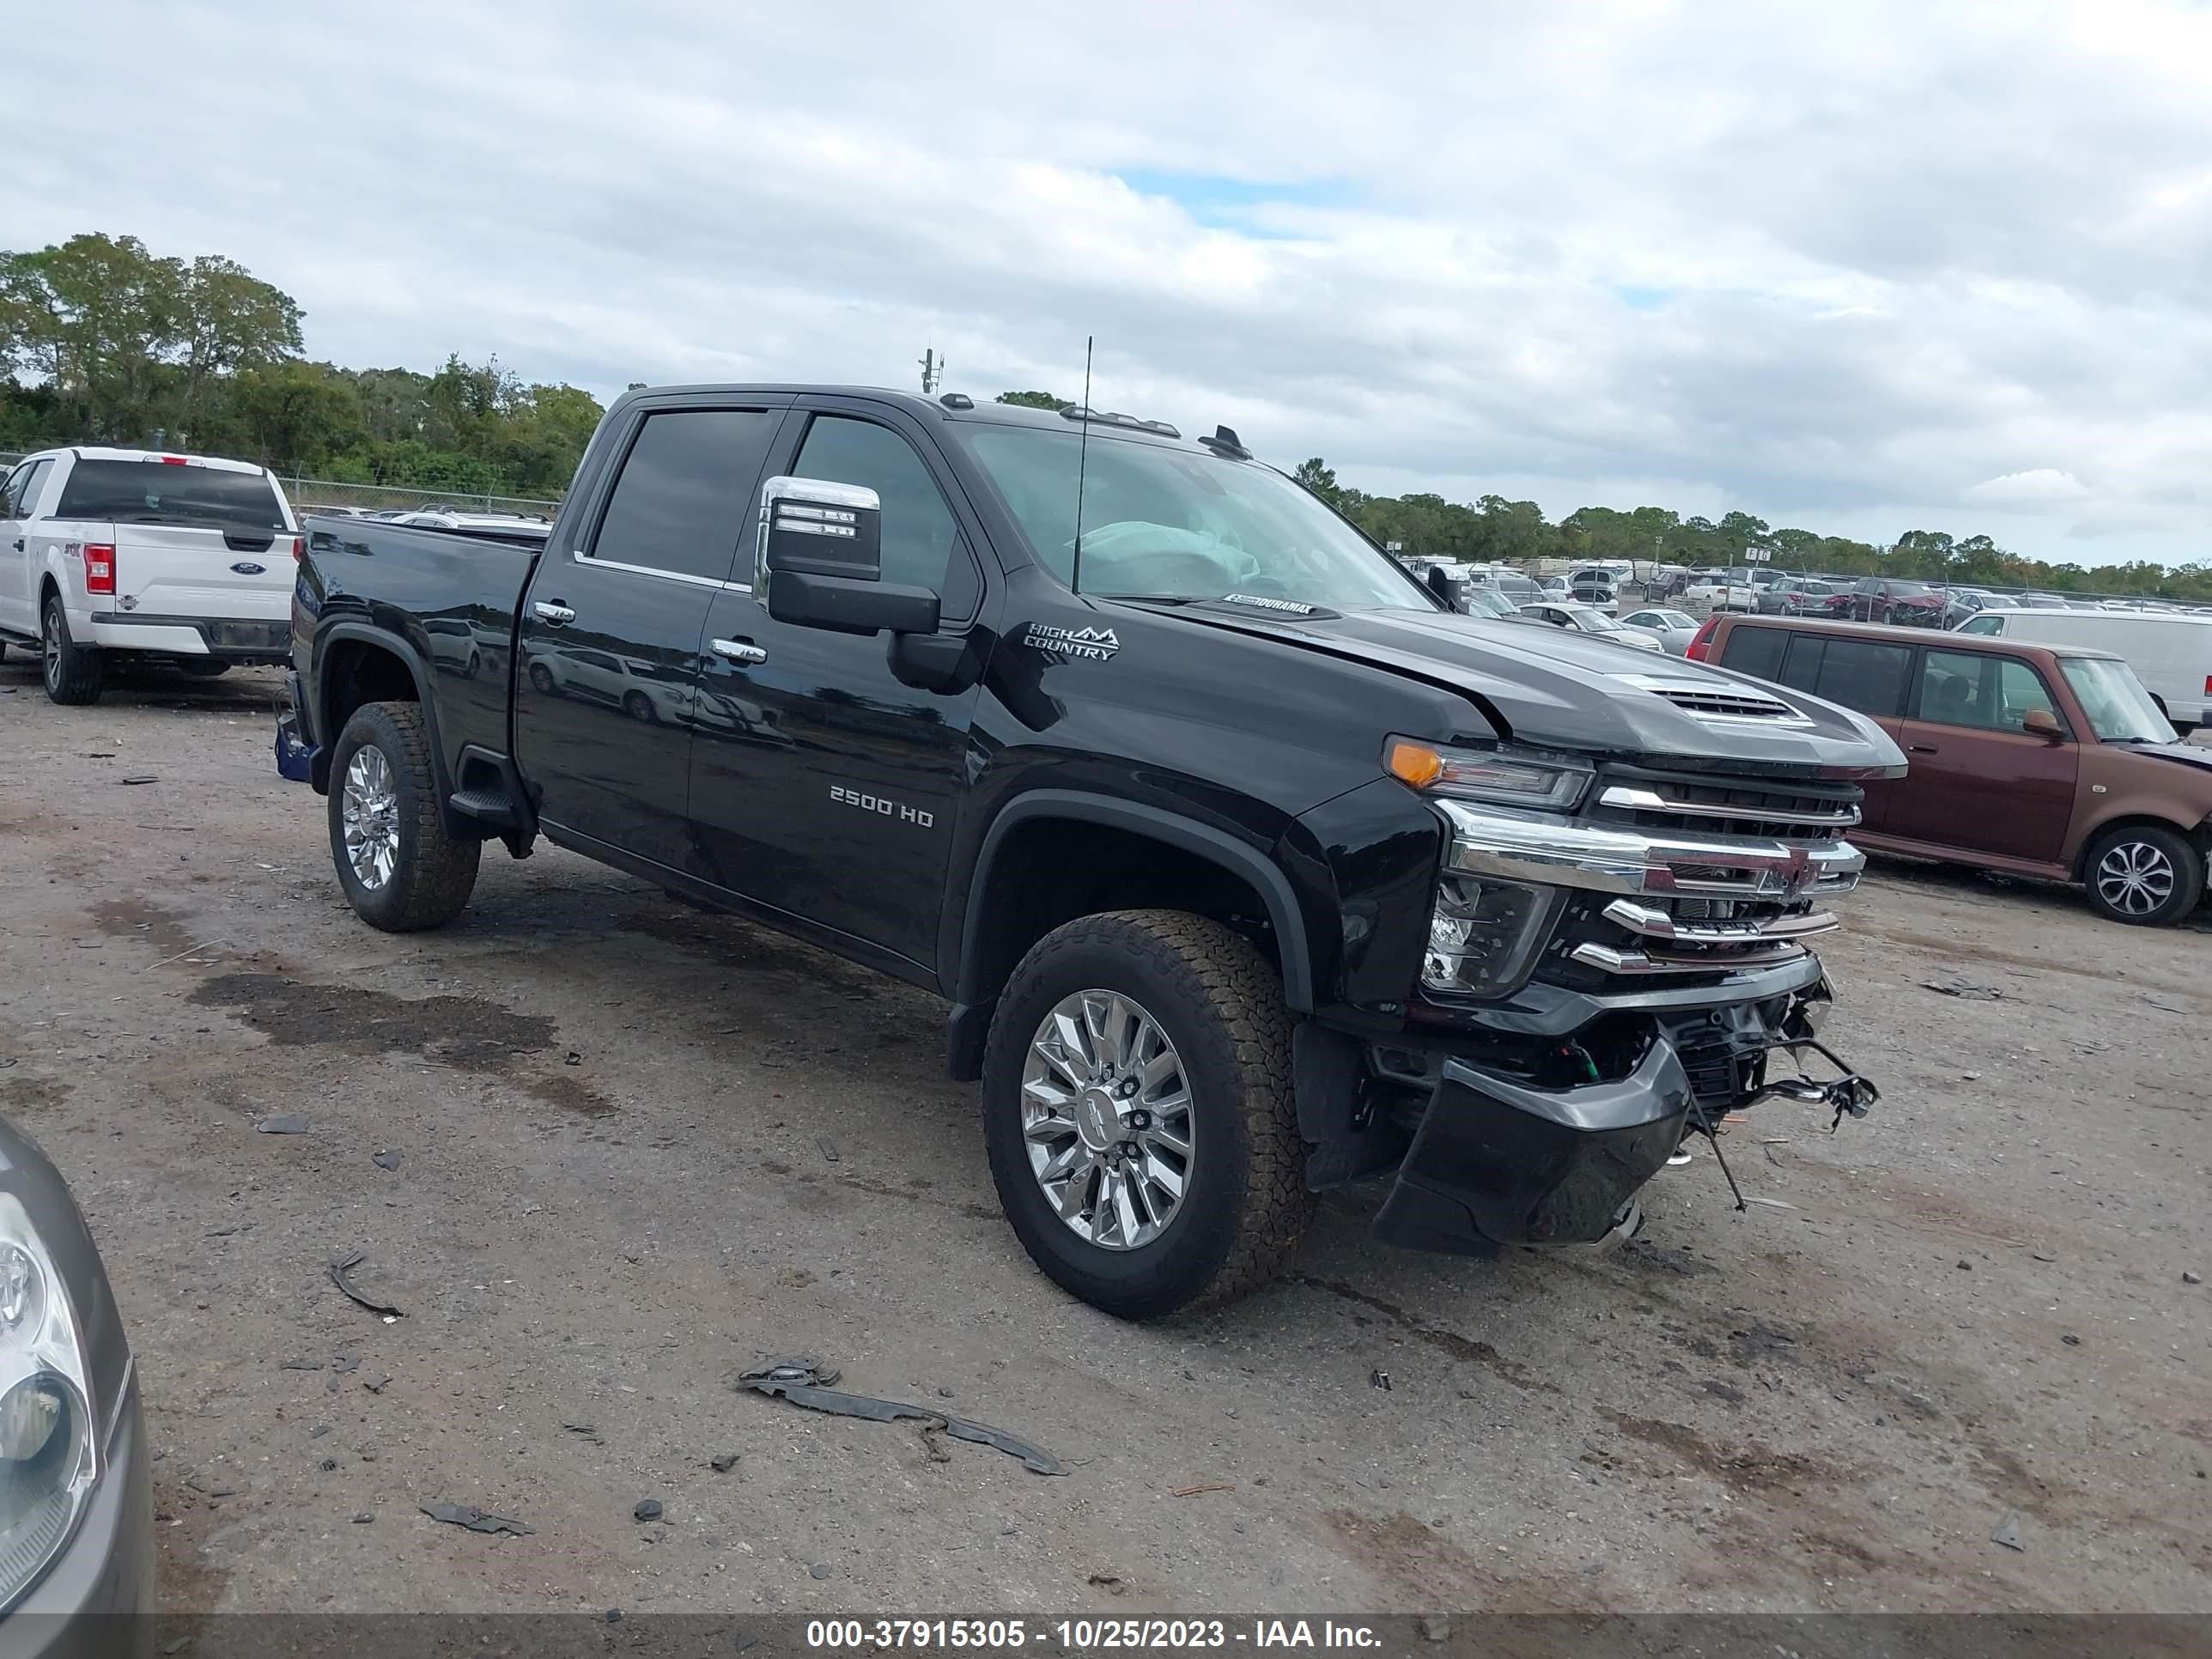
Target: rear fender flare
[(341, 633)]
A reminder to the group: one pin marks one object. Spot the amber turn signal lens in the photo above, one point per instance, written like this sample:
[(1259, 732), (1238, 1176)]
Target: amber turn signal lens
[(1415, 763)]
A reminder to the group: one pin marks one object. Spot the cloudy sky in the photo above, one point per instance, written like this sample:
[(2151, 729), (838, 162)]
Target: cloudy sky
[(1862, 268)]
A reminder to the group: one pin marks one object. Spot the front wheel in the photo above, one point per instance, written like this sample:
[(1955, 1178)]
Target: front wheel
[(1139, 1113), (639, 707), (2145, 875), (74, 673), (541, 679), (401, 870)]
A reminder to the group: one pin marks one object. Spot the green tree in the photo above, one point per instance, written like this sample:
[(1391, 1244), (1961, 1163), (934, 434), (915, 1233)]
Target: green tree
[(1318, 477), (227, 320), (1030, 400)]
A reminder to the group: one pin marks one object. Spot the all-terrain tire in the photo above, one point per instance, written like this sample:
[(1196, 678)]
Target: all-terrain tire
[(1220, 1004), (74, 674), (431, 874)]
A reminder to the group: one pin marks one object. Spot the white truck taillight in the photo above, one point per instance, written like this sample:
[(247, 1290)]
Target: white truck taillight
[(100, 566)]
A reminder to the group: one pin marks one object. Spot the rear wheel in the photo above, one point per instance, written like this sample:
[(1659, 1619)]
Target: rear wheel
[(2145, 875), (638, 706), (1139, 1115), (401, 870), (74, 673), (541, 678)]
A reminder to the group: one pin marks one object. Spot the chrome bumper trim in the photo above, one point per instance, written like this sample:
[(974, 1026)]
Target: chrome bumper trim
[(1655, 924), (1619, 860)]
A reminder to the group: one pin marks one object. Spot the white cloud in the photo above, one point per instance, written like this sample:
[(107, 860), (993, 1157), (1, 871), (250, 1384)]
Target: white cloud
[(2040, 486), (1819, 265)]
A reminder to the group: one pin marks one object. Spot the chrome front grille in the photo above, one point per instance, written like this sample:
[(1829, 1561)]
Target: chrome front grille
[(1747, 864)]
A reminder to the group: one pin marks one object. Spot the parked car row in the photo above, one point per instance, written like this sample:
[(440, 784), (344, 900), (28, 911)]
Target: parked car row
[(2023, 755)]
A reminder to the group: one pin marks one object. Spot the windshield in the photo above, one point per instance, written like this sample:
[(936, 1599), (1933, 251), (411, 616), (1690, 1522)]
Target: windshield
[(2119, 709), (1489, 603), (1163, 523), (1593, 622)]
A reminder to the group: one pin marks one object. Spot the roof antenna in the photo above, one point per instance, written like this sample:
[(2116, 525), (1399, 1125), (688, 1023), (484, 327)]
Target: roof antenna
[(1082, 455)]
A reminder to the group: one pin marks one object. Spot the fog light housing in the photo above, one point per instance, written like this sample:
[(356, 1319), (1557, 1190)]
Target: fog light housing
[(1483, 935)]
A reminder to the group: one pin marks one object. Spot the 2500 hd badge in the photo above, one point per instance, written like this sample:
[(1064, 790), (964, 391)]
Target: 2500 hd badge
[(890, 809)]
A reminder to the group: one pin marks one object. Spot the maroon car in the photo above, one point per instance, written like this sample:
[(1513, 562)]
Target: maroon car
[(1879, 599)]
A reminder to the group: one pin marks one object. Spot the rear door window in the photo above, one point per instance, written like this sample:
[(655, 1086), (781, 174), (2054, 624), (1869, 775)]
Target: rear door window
[(1864, 675), (158, 492), (23, 488), (1800, 662), (684, 500), (1756, 650)]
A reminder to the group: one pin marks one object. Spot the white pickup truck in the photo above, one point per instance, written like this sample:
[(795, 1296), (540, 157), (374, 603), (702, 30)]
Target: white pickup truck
[(114, 552)]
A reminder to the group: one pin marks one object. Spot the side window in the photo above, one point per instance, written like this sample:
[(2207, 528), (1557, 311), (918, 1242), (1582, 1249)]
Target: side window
[(1800, 664), (23, 488), (1957, 689), (1755, 651), (10, 499), (921, 545), (2021, 692), (1984, 625), (1863, 675), (684, 500)]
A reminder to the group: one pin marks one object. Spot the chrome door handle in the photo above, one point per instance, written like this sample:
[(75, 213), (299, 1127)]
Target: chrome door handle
[(1921, 748), (557, 615), (742, 651)]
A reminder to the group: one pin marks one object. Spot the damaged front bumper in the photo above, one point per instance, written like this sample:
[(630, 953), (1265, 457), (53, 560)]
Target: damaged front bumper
[(1542, 1129)]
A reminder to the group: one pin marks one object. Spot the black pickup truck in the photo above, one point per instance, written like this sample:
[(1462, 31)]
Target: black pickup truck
[(1248, 867)]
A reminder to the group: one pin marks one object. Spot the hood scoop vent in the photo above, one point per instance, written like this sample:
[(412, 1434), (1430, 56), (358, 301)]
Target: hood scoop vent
[(1716, 700)]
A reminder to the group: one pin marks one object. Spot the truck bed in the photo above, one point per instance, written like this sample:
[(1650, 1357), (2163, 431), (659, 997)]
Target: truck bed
[(452, 595)]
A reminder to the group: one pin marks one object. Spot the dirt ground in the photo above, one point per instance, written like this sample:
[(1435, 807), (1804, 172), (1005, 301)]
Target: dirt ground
[(638, 1146)]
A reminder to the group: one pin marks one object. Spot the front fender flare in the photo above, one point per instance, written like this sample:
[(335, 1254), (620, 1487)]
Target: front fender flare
[(1216, 846)]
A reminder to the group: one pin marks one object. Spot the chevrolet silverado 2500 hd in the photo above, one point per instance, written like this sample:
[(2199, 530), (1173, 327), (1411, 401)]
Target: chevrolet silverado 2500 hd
[(1248, 868)]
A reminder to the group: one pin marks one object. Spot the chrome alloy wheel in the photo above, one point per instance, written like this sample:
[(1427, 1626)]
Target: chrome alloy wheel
[(1106, 1115), (370, 811), (50, 640), (2134, 878)]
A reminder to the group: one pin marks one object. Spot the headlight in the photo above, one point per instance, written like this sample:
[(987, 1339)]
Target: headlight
[(1483, 934), (1540, 782), (49, 1452)]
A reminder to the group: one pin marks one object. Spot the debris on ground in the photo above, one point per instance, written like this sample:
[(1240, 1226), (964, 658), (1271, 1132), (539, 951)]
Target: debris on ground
[(586, 1430), (805, 1381), (1964, 988), (1436, 1628), (341, 1275), (649, 1509), (2008, 1532), (379, 1386), (363, 1518), (2171, 1006), (2189, 1278), (476, 1520), (140, 777), (1194, 1491), (820, 1570), (723, 1464), (2071, 1341), (1110, 1580), (1379, 1379), (290, 1124), (573, 1059), (385, 1160), (828, 1151), (300, 1365)]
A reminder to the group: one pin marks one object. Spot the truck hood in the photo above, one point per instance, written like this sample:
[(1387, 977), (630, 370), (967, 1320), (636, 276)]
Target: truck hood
[(1549, 687)]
